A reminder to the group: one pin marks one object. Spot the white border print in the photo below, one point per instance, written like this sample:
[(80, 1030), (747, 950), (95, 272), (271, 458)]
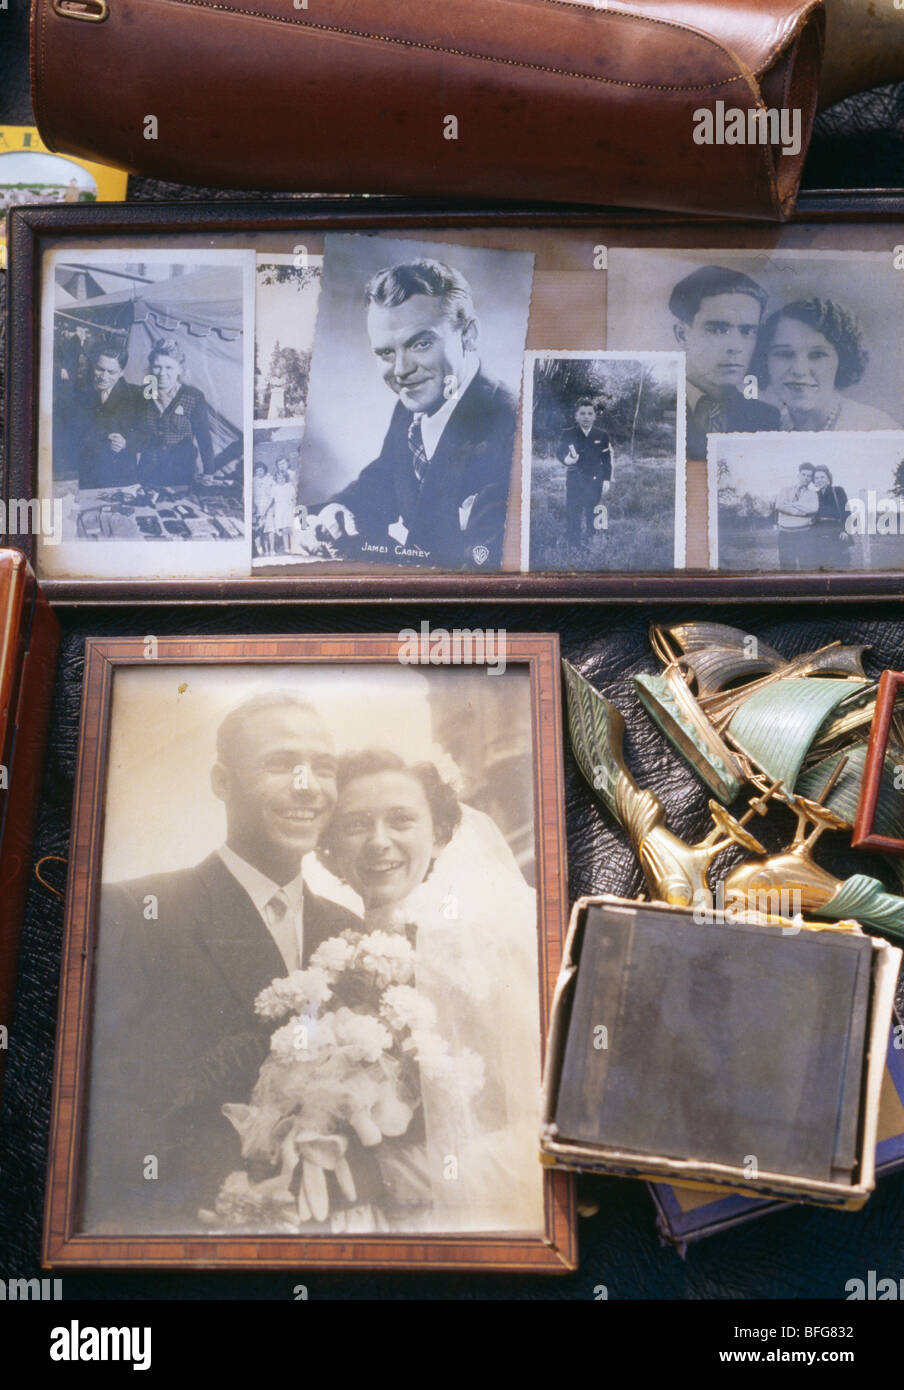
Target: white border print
[(833, 362), (287, 292), (131, 508), (285, 311), (799, 501), (635, 401)]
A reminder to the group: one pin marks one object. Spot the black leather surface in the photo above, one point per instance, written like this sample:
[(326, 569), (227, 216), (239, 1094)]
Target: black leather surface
[(799, 1253)]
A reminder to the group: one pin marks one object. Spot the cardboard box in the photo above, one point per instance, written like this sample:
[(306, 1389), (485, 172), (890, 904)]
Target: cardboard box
[(560, 1152)]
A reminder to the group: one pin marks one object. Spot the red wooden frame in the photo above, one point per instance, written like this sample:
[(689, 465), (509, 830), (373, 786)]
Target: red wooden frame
[(891, 684)]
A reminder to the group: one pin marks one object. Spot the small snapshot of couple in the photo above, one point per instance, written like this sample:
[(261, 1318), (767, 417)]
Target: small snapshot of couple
[(810, 516), (116, 433), (774, 341), (806, 502), (147, 394), (439, 330), (294, 1064)]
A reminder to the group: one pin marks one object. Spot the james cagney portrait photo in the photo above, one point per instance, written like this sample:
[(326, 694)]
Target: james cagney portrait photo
[(412, 406), (360, 1055)]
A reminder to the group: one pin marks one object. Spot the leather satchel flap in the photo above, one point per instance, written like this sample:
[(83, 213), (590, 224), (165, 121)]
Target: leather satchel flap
[(552, 99)]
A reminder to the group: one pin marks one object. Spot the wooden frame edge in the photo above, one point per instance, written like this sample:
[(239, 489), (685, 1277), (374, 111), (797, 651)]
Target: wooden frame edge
[(553, 1252), (29, 226), (864, 836)]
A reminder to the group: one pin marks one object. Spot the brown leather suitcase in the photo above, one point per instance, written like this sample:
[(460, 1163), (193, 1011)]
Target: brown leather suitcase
[(29, 641), (576, 101)]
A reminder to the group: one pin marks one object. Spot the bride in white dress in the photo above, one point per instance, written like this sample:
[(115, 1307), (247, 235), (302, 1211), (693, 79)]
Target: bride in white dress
[(425, 864)]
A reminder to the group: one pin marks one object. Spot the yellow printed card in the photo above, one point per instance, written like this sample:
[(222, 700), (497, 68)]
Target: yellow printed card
[(31, 174)]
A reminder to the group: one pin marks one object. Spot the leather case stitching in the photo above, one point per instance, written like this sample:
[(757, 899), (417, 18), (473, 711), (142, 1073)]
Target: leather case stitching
[(465, 53), (784, 30)]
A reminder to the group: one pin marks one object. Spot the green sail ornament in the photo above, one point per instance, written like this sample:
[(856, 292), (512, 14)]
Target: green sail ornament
[(845, 794), (672, 707), (866, 901), (675, 871), (713, 671), (776, 725), (678, 872)]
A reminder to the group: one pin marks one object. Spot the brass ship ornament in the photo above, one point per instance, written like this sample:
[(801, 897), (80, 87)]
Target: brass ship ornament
[(733, 705), (677, 872)]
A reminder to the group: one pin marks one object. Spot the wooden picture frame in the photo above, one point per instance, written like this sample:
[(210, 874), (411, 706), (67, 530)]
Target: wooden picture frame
[(535, 660), (34, 231), (891, 685)]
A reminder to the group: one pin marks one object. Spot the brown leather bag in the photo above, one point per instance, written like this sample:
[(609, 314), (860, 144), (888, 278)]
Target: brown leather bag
[(565, 100)]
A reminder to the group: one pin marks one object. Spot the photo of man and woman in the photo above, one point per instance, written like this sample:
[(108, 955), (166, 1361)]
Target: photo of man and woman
[(807, 502), (331, 1024), (146, 408), (774, 340)]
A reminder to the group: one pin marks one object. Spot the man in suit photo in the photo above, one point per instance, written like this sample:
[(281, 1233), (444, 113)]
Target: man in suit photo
[(717, 319), (586, 454), (106, 426), (437, 493), (181, 958)]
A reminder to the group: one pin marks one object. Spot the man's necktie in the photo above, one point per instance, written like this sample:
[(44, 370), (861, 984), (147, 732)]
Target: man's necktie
[(419, 458), (282, 926), (708, 415)]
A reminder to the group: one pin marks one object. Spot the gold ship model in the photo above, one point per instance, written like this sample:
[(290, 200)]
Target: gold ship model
[(791, 731)]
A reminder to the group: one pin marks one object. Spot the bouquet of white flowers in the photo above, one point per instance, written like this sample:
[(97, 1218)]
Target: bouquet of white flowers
[(346, 1059)]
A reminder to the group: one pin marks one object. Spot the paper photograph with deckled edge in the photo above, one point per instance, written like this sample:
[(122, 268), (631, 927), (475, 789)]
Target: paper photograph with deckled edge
[(603, 463), (804, 502), (798, 340), (409, 442), (285, 310), (146, 377), (285, 314)]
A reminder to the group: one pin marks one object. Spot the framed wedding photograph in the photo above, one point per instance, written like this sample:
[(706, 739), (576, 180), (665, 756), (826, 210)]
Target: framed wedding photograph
[(304, 1026)]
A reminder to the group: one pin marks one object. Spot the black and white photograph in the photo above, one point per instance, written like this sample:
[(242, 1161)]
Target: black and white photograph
[(279, 529), (146, 380), (285, 313), (603, 461), (316, 1005), (409, 440), (807, 501), (805, 341)]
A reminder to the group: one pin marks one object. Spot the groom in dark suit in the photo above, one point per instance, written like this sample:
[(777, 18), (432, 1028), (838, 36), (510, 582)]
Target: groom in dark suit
[(438, 491), (182, 957)]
